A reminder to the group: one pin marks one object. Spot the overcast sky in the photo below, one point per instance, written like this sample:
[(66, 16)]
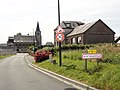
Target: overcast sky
[(22, 15)]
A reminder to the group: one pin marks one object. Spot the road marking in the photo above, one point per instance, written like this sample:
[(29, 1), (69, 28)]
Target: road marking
[(57, 76)]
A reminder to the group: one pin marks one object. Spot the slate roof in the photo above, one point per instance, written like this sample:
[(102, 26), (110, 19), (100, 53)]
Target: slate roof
[(24, 38), (49, 44), (81, 28), (68, 26), (117, 39)]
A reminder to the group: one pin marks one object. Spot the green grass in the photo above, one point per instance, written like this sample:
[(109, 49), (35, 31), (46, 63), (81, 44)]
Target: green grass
[(4, 56), (105, 76)]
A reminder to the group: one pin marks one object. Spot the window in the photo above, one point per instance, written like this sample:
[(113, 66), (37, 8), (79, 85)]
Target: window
[(73, 40), (79, 39), (68, 25)]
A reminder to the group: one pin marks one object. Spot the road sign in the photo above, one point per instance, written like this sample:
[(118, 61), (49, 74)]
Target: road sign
[(92, 51), (91, 56), (60, 37), (59, 29)]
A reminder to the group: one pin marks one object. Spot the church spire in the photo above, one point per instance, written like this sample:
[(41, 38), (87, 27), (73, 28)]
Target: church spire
[(37, 28), (38, 36)]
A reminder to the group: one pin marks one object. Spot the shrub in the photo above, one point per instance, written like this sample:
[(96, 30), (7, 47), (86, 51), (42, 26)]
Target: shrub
[(72, 54), (40, 56)]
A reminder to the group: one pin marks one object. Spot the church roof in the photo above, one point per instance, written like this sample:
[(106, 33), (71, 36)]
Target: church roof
[(37, 28)]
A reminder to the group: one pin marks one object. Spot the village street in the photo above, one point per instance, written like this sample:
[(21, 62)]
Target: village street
[(15, 74)]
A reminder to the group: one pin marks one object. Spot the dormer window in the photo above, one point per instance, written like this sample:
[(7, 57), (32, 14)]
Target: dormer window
[(68, 25)]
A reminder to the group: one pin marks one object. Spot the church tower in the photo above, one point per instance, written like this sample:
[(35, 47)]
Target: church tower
[(38, 36)]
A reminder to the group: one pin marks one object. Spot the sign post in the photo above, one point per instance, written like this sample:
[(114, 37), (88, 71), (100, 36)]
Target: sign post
[(91, 55), (85, 64), (60, 37)]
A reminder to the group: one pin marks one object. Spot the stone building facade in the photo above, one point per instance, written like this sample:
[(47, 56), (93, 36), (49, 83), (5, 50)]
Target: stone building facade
[(38, 36), (22, 42)]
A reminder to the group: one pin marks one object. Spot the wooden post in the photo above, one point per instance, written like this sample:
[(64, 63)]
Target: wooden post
[(97, 62), (85, 64)]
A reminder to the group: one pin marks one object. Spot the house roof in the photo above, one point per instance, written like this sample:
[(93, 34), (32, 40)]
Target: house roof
[(49, 43), (83, 28), (68, 26), (117, 39), (72, 24)]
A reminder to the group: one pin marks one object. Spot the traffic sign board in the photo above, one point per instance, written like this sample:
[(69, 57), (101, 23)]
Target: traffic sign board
[(92, 51), (59, 29), (91, 56), (60, 37)]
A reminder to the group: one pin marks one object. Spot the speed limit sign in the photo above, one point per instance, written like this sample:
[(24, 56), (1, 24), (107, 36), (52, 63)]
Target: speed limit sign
[(60, 36)]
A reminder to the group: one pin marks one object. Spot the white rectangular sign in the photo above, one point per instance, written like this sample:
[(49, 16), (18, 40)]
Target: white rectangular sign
[(91, 56)]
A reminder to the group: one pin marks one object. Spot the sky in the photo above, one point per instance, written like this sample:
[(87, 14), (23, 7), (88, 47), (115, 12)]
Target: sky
[(21, 16)]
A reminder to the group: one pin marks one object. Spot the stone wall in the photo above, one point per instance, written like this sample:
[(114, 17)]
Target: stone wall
[(7, 50)]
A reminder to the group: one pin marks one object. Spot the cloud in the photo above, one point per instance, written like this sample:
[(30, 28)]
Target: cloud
[(22, 15)]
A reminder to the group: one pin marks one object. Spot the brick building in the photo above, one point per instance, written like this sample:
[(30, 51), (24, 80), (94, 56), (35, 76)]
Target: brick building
[(90, 33)]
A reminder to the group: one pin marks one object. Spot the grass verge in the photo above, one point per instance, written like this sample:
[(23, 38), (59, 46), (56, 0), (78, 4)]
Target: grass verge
[(4, 56), (105, 76)]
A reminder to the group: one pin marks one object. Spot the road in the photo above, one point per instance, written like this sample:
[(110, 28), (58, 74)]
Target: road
[(15, 74)]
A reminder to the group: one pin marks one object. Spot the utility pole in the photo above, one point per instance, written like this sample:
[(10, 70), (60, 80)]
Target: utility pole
[(60, 59), (33, 42)]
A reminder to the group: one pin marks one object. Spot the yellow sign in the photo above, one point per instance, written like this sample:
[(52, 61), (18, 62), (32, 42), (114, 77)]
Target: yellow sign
[(92, 51)]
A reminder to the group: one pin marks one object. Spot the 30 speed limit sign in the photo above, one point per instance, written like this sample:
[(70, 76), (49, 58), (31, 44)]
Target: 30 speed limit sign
[(60, 36)]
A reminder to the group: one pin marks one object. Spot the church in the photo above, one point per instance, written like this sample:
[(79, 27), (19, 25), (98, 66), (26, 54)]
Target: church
[(21, 42)]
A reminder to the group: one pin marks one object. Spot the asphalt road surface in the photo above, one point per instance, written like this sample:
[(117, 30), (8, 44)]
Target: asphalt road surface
[(15, 74)]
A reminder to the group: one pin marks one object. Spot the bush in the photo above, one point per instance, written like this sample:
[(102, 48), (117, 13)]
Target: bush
[(73, 54), (75, 47), (40, 56)]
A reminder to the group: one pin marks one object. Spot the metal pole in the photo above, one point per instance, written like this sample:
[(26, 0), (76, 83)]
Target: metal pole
[(33, 41), (58, 12), (60, 59)]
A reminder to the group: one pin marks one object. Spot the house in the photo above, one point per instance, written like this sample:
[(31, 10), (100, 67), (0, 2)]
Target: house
[(91, 33), (50, 44), (117, 39), (68, 27)]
